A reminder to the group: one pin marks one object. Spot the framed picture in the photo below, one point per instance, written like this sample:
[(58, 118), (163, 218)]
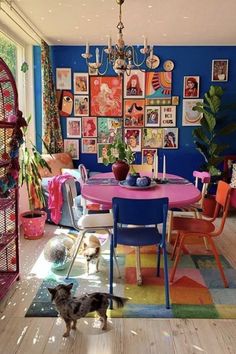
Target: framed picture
[(134, 84), (133, 138), (106, 96), (158, 85), (92, 70), (148, 156), (81, 84), (189, 116), (134, 113), (72, 146), (191, 86), (170, 138), (81, 105), (63, 78), (152, 138), (73, 127), (109, 129), (102, 151), (89, 127), (152, 116), (65, 101), (89, 146), (219, 70), (168, 116)]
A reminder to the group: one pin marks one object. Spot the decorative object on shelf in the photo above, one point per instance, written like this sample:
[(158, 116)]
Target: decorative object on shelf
[(168, 65), (120, 155), (120, 56)]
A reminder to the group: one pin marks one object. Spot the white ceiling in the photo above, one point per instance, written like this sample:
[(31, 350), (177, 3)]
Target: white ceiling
[(172, 22)]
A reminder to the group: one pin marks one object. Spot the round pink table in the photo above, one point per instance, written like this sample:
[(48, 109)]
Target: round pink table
[(180, 195)]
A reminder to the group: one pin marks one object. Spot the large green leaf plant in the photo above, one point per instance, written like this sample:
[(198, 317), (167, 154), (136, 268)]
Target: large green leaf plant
[(213, 126)]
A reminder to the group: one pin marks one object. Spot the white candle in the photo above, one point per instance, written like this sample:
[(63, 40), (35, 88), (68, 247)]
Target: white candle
[(109, 42), (87, 48), (156, 165), (164, 167), (151, 52), (97, 55), (145, 43)]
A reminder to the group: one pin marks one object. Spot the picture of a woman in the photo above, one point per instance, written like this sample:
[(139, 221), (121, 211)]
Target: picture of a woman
[(191, 86), (134, 84), (89, 127)]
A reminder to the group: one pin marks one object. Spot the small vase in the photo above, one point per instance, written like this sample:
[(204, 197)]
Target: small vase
[(120, 170)]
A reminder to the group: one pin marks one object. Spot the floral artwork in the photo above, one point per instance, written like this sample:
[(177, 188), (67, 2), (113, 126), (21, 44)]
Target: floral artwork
[(134, 113), (89, 127), (81, 105), (168, 116), (72, 146), (152, 116), (191, 117), (106, 96), (148, 156), (81, 84), (134, 84), (170, 138), (191, 86), (133, 139), (152, 138), (73, 127), (89, 146), (109, 129), (63, 78), (220, 70), (158, 84)]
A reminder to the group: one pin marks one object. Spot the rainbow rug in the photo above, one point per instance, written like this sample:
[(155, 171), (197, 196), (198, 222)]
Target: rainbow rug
[(197, 291)]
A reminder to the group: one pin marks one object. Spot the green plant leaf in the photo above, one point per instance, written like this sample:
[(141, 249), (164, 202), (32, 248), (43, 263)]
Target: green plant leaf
[(199, 134)]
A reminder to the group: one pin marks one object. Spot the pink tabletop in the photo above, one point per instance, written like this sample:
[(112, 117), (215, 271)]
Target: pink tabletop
[(180, 195)]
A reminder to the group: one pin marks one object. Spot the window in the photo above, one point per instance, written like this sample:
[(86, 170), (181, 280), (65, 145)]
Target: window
[(8, 52)]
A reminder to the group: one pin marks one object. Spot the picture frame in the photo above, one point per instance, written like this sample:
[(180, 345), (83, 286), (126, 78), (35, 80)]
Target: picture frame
[(148, 156), (134, 113), (81, 84), (190, 117), (81, 105), (152, 138), (102, 151), (89, 145), (134, 84), (158, 85), (152, 116), (219, 70), (170, 138), (72, 146), (191, 86), (63, 78), (92, 70), (168, 116), (109, 128), (133, 138), (89, 127), (73, 127), (106, 96)]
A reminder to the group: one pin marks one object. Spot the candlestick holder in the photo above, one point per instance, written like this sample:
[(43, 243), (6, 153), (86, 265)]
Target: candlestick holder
[(160, 180)]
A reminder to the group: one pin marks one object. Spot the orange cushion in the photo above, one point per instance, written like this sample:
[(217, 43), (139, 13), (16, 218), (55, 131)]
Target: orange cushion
[(56, 162)]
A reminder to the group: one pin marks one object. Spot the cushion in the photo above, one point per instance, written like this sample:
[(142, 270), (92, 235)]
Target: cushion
[(56, 162)]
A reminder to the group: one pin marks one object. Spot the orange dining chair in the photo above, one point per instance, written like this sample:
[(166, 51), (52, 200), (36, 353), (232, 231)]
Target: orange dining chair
[(199, 228), (197, 207)]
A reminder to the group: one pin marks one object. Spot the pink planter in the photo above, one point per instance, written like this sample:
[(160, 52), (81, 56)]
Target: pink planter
[(33, 227)]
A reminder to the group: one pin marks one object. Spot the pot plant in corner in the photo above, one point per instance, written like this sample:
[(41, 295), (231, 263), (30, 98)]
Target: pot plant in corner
[(120, 155), (33, 221), (207, 137)]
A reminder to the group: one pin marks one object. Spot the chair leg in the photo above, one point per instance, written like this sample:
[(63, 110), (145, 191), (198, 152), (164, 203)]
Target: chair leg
[(170, 226), (111, 269), (138, 266), (199, 216), (175, 246), (158, 260), (177, 258), (217, 258), (75, 253), (116, 262), (167, 292)]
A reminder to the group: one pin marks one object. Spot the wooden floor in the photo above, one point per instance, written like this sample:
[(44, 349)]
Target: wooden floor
[(44, 335)]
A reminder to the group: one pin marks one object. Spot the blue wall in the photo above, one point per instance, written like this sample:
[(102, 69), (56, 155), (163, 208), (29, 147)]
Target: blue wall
[(188, 60)]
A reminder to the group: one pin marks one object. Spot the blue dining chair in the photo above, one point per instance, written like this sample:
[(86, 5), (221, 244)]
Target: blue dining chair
[(144, 216)]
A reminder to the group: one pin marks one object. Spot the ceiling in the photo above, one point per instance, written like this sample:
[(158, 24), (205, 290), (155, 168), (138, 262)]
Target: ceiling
[(173, 22)]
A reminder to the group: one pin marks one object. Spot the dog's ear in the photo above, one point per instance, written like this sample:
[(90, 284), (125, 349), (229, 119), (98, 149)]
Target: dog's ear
[(52, 292), (85, 245), (97, 250), (69, 286)]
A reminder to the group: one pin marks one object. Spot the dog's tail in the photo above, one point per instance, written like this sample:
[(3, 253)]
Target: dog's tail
[(120, 301)]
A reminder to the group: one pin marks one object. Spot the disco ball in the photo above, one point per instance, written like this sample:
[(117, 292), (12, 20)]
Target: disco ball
[(58, 251)]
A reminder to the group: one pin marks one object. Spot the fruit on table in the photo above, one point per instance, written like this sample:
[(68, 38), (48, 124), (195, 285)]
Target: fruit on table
[(143, 181)]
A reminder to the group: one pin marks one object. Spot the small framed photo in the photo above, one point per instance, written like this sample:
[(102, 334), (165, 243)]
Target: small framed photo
[(152, 138), (152, 116), (109, 129), (81, 84), (89, 146), (148, 156), (72, 146), (191, 86), (89, 127), (92, 70), (168, 116), (63, 78), (73, 127), (134, 84), (81, 105), (219, 70), (134, 113), (133, 138), (190, 117), (102, 150), (170, 138)]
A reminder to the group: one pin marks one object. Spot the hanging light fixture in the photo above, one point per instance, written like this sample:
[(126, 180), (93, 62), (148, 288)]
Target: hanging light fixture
[(121, 57)]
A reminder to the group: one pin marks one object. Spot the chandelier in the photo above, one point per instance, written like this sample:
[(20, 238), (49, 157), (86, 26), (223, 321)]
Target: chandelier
[(121, 57)]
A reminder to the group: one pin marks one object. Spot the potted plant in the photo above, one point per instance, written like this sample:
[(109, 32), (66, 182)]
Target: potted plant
[(33, 221), (207, 136), (120, 155)]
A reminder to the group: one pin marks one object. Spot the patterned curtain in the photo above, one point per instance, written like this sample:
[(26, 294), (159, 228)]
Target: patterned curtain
[(52, 129)]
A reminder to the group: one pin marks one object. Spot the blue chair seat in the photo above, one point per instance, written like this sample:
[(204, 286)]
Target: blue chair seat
[(141, 236)]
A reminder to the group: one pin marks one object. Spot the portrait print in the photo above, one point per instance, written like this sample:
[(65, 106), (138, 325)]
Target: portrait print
[(191, 86), (81, 105), (72, 147), (65, 102), (219, 70), (134, 113), (73, 127), (89, 146), (152, 116), (148, 156), (133, 139), (102, 150), (81, 84), (89, 127), (170, 138), (63, 78), (134, 84)]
